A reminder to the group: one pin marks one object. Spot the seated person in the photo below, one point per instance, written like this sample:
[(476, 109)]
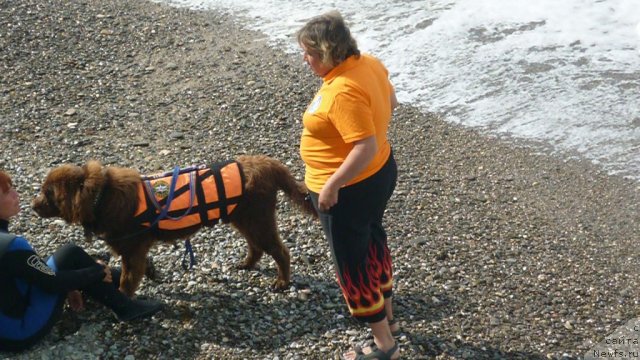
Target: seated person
[(33, 290)]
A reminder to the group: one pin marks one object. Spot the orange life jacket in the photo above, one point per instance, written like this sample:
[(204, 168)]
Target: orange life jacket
[(202, 195)]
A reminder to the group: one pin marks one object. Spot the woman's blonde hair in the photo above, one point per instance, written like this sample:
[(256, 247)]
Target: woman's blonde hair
[(329, 37)]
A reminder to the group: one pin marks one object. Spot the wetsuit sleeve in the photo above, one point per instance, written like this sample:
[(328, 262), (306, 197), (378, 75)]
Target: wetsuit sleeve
[(28, 266)]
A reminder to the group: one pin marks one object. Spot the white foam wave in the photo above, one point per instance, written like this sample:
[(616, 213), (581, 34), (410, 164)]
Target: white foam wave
[(565, 72)]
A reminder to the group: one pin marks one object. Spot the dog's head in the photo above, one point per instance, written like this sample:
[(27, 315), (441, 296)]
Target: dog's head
[(69, 192)]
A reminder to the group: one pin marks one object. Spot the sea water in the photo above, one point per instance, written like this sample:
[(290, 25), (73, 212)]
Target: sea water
[(563, 73)]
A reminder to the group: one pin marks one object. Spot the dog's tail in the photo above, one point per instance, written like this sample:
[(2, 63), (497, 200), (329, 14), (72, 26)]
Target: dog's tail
[(296, 190)]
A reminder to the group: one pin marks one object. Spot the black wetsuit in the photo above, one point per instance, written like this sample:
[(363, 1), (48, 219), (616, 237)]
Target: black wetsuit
[(32, 290)]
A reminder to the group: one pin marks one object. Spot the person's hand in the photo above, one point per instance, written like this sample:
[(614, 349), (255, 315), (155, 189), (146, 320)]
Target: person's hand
[(74, 298), (328, 197), (107, 272)]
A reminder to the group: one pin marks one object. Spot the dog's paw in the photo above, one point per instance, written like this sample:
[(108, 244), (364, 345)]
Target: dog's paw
[(280, 285), (245, 266)]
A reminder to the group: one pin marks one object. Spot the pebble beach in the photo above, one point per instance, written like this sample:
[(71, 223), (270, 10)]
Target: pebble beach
[(501, 250)]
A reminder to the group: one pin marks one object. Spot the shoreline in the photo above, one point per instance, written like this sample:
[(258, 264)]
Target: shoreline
[(500, 251)]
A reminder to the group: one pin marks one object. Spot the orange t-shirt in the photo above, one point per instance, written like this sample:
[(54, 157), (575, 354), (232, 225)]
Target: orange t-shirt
[(353, 103)]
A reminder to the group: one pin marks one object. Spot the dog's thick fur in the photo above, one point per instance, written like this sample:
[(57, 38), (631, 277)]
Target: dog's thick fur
[(104, 200)]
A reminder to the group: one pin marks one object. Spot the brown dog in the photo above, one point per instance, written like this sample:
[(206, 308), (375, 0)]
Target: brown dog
[(105, 201)]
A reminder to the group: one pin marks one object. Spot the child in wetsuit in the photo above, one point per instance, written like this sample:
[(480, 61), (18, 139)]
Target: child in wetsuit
[(33, 291)]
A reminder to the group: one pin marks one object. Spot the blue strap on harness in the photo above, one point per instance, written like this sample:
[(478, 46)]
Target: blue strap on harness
[(164, 214), (188, 249), (172, 188), (191, 197)]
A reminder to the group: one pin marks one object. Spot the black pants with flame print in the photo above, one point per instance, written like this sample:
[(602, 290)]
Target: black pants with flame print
[(358, 242)]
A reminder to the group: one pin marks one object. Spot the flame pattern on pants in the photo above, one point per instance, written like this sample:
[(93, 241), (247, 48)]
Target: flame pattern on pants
[(365, 286)]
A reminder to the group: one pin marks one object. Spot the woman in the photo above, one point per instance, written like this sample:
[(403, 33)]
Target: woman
[(32, 291), (351, 172)]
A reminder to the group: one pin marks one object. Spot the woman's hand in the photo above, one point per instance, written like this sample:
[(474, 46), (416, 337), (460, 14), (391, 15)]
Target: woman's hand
[(359, 157), (74, 298), (328, 197), (107, 272)]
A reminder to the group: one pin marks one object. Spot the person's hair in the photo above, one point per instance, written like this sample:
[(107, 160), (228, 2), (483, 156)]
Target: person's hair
[(328, 36), (5, 181)]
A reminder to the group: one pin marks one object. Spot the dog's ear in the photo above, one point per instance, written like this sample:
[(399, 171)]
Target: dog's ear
[(88, 188), (59, 191)]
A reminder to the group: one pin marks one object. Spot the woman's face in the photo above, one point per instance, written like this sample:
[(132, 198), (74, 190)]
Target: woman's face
[(313, 60), (9, 203)]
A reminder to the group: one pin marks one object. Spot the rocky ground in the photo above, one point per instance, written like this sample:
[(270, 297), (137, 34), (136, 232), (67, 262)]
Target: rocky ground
[(501, 251)]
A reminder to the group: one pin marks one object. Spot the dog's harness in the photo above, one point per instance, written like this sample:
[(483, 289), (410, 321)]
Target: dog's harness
[(197, 195)]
